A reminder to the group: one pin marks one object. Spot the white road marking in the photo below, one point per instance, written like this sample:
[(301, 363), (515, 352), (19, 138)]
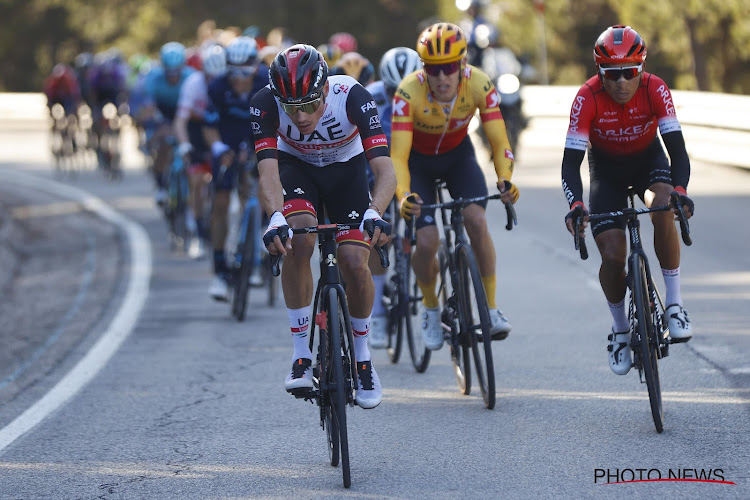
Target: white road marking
[(139, 248)]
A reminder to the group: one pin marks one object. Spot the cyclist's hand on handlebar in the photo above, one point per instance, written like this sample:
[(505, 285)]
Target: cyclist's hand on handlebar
[(410, 206), (374, 228), (570, 218), (688, 207), (278, 236), (509, 191)]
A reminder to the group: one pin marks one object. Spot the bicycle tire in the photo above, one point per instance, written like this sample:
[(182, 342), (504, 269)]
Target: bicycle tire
[(476, 321), (460, 351), (337, 384), (324, 368), (395, 303), (418, 351), (648, 343), (241, 282)]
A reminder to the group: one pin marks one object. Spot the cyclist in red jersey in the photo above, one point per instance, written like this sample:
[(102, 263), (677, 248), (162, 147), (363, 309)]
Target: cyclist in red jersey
[(615, 116)]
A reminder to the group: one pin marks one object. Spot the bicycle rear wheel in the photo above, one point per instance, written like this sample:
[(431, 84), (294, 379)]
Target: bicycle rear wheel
[(460, 351), (649, 344), (336, 382), (476, 322)]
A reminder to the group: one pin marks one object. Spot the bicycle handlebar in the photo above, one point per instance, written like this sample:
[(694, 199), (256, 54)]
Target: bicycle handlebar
[(322, 229), (460, 203), (675, 203)]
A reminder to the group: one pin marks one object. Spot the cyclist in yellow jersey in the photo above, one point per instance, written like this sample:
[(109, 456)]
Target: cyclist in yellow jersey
[(432, 109)]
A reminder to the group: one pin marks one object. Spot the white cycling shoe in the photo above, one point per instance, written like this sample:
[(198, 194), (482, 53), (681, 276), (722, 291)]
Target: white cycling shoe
[(300, 377), (680, 329), (369, 392), (219, 289), (500, 326), (432, 328), (620, 356)]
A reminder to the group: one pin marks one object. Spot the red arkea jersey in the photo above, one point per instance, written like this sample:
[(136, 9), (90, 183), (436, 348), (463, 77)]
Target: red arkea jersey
[(619, 129)]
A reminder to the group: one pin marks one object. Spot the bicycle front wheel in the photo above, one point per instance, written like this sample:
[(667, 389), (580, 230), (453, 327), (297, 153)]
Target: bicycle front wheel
[(648, 343), (411, 296), (336, 382), (475, 319), (394, 304), (241, 281), (460, 350)]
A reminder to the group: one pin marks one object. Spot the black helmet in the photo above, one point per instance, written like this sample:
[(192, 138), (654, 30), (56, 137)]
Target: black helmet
[(298, 74)]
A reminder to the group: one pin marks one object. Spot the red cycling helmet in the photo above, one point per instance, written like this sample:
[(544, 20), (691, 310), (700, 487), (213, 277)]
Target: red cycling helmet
[(619, 44), (344, 41), (298, 74)]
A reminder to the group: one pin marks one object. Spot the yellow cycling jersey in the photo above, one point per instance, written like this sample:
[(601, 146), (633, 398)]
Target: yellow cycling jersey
[(429, 127)]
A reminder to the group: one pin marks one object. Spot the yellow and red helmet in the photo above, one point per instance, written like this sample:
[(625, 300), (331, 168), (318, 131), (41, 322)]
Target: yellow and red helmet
[(441, 43), (619, 44)]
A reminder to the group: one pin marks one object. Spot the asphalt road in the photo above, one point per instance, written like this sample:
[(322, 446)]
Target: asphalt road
[(191, 404)]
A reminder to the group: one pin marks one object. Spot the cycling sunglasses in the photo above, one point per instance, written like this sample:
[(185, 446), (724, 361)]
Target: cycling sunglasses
[(614, 74), (447, 68), (306, 107)]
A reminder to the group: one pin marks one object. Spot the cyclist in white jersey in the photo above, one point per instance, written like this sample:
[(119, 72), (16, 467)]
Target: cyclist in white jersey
[(188, 129), (312, 135)]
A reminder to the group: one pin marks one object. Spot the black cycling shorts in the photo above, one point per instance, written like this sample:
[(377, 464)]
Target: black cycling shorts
[(457, 167), (340, 187), (612, 175)]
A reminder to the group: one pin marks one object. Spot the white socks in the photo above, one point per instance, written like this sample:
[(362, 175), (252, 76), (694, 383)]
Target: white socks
[(672, 282), (361, 329), (619, 316), (299, 323)]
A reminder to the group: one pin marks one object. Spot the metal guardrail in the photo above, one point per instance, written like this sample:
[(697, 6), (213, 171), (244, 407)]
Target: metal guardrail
[(716, 126)]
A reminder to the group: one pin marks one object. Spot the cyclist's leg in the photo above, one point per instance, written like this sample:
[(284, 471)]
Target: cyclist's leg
[(296, 274), (224, 181), (666, 241), (345, 193), (608, 194)]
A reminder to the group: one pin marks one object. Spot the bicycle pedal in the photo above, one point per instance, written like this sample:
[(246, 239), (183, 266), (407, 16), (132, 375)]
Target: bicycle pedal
[(302, 392)]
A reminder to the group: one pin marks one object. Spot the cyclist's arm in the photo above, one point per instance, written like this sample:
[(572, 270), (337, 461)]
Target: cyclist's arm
[(402, 135), (675, 143), (582, 114), (265, 114), (671, 132), (494, 128), (362, 111)]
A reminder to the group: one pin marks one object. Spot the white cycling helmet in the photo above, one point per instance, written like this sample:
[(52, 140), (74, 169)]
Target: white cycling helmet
[(242, 51), (215, 60), (396, 64)]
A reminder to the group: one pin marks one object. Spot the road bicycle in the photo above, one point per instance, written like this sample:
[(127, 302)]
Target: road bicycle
[(247, 254), (402, 297), (176, 206), (465, 314), (649, 329), (335, 371)]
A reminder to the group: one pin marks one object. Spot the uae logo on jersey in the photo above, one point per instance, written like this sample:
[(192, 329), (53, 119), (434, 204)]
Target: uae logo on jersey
[(400, 107)]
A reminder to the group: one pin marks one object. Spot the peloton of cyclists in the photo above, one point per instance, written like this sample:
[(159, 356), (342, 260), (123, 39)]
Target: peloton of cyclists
[(313, 135)]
